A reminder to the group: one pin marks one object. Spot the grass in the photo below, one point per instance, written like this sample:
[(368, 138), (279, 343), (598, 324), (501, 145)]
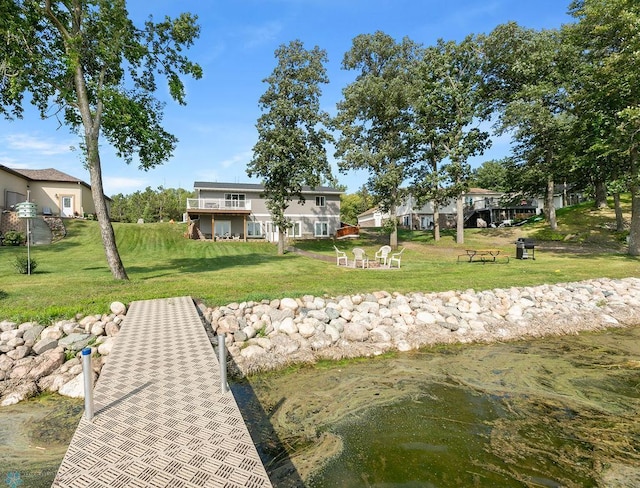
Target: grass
[(73, 278)]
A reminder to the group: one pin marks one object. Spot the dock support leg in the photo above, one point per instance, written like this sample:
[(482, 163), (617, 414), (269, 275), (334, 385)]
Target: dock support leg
[(88, 383), (222, 359)]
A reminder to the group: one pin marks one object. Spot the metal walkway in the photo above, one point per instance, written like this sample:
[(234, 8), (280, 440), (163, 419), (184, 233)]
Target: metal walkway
[(161, 419)]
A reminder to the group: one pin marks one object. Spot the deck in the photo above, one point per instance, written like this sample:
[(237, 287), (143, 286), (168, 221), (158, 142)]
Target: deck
[(161, 418)]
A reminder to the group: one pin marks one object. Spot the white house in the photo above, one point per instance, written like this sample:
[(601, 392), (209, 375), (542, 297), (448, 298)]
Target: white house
[(236, 210)]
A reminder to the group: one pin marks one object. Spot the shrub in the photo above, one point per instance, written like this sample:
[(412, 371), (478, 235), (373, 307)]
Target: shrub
[(13, 238), (22, 264)]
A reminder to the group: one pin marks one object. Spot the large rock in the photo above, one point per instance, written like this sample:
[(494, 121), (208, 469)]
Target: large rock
[(74, 388), (44, 345), (31, 334), (105, 348), (118, 308), (288, 326), (75, 341), (47, 363), (252, 351), (111, 328), (24, 390), (289, 303), (355, 332), (19, 352)]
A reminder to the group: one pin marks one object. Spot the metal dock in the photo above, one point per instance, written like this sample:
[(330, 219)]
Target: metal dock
[(161, 418)]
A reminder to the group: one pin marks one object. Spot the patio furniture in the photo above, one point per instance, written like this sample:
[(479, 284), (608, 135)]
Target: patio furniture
[(395, 258), (382, 255), (341, 257), (360, 255)]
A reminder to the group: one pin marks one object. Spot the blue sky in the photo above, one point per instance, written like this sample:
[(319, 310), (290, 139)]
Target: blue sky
[(216, 130)]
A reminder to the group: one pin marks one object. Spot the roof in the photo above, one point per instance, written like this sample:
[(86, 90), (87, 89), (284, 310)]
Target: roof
[(371, 211), (207, 185), (49, 174)]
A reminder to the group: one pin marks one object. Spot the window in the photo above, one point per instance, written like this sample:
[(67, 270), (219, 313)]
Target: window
[(222, 228), (234, 200), (321, 229), (295, 230), (320, 201), (254, 229)]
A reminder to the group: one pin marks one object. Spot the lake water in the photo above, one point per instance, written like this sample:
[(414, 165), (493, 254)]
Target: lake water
[(559, 411)]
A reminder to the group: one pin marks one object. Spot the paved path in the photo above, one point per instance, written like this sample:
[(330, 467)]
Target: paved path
[(161, 419)]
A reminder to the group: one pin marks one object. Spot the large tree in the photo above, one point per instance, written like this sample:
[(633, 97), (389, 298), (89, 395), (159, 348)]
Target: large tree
[(607, 37), (86, 60), (374, 117), (527, 73), (448, 108), (290, 152)]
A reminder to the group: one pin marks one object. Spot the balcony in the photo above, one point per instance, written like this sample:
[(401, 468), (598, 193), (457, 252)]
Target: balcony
[(214, 205)]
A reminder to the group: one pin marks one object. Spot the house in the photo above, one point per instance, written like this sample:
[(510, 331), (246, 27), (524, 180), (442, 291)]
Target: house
[(492, 207), (236, 210), (53, 191)]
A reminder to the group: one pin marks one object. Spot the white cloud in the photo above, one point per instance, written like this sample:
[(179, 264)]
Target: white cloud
[(264, 34), (240, 159), (39, 145), (119, 184)]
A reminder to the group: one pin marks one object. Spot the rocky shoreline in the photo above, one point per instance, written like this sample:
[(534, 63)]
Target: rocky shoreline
[(270, 335)]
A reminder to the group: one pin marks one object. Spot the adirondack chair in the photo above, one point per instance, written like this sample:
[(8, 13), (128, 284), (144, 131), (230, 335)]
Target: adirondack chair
[(360, 255), (382, 255), (395, 258), (341, 257)]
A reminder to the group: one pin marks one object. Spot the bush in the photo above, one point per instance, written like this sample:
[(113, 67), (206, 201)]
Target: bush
[(13, 238), (22, 264)]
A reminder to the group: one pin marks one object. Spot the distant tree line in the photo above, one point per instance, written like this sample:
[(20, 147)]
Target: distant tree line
[(160, 205)]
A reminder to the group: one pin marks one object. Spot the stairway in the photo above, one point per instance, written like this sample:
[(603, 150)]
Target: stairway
[(40, 232)]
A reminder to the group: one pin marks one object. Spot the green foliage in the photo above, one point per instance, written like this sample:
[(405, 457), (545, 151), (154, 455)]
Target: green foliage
[(374, 116), (352, 205), (290, 152), (491, 175), (13, 238), (160, 205), (87, 61), (23, 265)]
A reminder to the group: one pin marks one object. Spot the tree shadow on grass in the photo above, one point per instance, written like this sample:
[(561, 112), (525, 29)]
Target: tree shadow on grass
[(208, 264)]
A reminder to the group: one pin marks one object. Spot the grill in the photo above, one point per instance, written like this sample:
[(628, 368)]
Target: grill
[(525, 248)]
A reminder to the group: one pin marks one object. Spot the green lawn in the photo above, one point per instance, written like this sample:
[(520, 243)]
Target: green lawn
[(72, 276)]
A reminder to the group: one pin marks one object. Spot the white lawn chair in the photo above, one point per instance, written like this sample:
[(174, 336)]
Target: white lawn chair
[(341, 257), (382, 255), (360, 255), (395, 258)]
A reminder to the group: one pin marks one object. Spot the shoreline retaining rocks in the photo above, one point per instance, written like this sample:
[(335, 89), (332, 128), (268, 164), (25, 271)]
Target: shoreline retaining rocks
[(273, 334)]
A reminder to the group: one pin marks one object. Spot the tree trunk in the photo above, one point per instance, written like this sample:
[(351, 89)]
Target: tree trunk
[(281, 241), (460, 220), (550, 206), (102, 214), (393, 237), (634, 230), (91, 124), (618, 210), (601, 194), (436, 222)]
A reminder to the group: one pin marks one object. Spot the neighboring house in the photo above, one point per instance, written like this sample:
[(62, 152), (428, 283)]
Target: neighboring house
[(54, 192), (491, 206), (235, 210)]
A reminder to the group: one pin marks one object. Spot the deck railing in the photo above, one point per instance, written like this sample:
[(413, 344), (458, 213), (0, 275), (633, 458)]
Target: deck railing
[(217, 203)]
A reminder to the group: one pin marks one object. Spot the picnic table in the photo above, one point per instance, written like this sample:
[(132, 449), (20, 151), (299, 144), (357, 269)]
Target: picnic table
[(483, 255)]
